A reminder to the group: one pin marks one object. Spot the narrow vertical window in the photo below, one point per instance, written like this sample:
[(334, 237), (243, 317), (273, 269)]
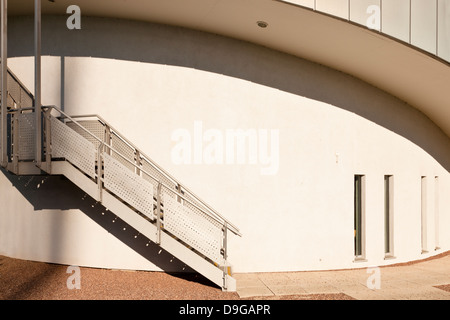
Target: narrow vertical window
[(388, 216), (423, 214), (436, 212), (359, 216)]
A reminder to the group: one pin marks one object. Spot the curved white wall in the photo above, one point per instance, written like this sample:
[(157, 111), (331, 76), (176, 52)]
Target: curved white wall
[(152, 82)]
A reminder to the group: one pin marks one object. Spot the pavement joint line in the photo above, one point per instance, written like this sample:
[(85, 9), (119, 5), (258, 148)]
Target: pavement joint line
[(266, 285), (418, 280)]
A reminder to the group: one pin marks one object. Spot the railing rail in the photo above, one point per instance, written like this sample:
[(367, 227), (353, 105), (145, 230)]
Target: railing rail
[(182, 192), (179, 213), (18, 98), (18, 94)]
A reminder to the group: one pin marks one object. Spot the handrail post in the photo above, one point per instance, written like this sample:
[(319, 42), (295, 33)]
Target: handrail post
[(437, 28), (37, 80), (381, 15), (99, 172), (225, 240), (225, 255), (138, 162), (4, 83), (158, 214), (47, 134), (349, 4), (107, 139), (410, 22), (180, 191), (15, 139)]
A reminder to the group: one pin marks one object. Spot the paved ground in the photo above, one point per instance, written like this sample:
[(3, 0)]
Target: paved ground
[(28, 280), (425, 280)]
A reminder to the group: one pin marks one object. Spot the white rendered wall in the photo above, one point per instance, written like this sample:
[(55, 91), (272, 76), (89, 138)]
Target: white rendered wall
[(299, 217)]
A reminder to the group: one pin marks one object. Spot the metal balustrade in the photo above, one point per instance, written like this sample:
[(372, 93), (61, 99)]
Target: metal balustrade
[(18, 95), (99, 132), (107, 159), (118, 167), (20, 124)]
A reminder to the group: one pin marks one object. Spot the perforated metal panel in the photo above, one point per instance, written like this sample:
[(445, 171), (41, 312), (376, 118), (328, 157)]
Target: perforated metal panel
[(27, 136), (17, 94), (93, 126), (70, 145), (192, 199), (148, 168), (25, 100), (13, 90), (125, 150), (128, 186), (193, 227)]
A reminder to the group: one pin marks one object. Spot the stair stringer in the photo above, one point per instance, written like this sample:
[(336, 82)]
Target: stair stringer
[(146, 228)]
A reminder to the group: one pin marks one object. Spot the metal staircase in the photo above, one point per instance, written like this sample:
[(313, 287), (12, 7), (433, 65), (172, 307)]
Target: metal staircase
[(109, 168)]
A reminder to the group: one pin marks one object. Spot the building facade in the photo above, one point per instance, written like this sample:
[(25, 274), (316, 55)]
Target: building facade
[(319, 128)]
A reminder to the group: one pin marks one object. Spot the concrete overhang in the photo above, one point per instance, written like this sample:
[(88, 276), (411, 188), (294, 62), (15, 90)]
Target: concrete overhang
[(416, 77)]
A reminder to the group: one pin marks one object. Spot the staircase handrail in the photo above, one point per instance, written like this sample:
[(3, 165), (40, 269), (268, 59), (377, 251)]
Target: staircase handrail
[(213, 213)]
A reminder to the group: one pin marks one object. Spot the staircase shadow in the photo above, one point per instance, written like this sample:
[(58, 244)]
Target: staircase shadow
[(193, 277), (59, 193)]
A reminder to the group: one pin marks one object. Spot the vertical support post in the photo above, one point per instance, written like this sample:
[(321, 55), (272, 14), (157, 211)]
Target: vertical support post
[(437, 27), (48, 132), (138, 162), (381, 15), (410, 22), (180, 191), (225, 255), (108, 139), (37, 80), (100, 173), (349, 9), (158, 214), (15, 137), (4, 84)]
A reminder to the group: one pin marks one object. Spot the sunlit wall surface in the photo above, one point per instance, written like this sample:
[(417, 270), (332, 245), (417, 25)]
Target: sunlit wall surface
[(319, 129)]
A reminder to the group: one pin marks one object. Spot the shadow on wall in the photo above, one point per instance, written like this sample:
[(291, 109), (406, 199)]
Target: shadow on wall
[(59, 193), (162, 44)]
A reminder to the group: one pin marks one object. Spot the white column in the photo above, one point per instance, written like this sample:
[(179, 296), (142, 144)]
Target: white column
[(4, 82), (37, 78)]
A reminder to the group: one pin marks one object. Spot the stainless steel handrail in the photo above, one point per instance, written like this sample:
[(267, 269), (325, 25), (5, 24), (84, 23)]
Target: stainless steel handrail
[(233, 228), (213, 214), (129, 143)]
